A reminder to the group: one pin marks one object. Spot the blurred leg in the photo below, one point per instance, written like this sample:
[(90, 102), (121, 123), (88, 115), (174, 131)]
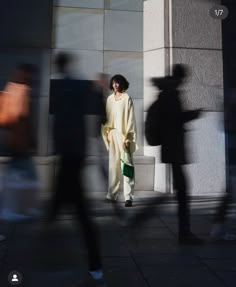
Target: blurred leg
[(82, 208), (128, 188), (60, 188), (180, 185)]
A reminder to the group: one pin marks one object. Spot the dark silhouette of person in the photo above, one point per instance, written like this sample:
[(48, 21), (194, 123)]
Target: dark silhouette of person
[(171, 132), (70, 143), (218, 229), (98, 110), (99, 100), (173, 150)]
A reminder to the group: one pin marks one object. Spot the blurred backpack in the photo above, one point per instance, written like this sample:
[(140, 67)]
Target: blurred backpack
[(154, 125)]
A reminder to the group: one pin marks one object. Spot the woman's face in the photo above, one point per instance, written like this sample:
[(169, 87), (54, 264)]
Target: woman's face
[(115, 86)]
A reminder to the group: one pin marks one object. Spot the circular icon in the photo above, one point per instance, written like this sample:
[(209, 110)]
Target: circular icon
[(219, 12), (14, 278)]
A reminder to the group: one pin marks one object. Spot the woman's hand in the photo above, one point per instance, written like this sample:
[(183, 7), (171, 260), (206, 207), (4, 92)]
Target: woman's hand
[(127, 144)]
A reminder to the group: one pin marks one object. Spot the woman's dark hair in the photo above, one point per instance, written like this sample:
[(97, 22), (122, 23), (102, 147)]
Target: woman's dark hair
[(121, 80)]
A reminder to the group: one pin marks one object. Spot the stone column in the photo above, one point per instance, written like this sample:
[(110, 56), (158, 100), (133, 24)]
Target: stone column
[(156, 60), (190, 37)]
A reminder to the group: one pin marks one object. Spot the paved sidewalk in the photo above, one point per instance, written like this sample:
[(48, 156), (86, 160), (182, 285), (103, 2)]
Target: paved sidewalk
[(146, 256)]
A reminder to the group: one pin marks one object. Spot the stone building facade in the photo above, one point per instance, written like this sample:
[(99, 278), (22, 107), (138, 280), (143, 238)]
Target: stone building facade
[(139, 39)]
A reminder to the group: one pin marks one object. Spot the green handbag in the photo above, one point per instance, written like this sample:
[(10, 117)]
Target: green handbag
[(127, 169)]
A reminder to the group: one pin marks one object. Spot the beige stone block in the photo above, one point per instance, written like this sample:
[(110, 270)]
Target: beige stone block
[(203, 88), (144, 174), (133, 5), (42, 125), (80, 3), (192, 25), (123, 31), (44, 73), (138, 108), (144, 177), (206, 147), (154, 66), (155, 24), (161, 170), (77, 28), (45, 167)]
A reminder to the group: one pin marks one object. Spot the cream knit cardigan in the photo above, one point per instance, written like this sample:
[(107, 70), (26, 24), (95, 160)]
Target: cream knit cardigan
[(120, 116)]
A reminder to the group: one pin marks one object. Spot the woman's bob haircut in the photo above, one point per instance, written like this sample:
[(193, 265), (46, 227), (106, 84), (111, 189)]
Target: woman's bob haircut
[(121, 80)]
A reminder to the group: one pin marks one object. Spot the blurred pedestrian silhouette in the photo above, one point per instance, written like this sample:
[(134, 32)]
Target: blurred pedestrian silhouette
[(20, 181), (219, 230), (97, 112), (70, 143), (170, 134), (119, 135), (99, 100)]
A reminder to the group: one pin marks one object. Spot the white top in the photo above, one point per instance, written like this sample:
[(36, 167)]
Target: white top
[(120, 116)]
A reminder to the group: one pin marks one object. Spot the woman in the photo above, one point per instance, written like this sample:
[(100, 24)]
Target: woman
[(119, 135)]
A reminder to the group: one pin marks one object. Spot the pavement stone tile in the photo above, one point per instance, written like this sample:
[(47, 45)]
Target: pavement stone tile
[(58, 229), (49, 251), (119, 264), (176, 259), (152, 246), (198, 229), (112, 249), (108, 222), (223, 250), (130, 278), (180, 276), (173, 227), (150, 233), (7, 229), (112, 244), (222, 264), (154, 221), (145, 256), (229, 278)]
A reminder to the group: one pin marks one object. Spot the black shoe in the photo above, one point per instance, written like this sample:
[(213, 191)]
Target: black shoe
[(128, 203), (190, 239)]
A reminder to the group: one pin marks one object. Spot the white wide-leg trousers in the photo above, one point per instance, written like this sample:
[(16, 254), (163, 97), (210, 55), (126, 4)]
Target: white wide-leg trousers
[(115, 175)]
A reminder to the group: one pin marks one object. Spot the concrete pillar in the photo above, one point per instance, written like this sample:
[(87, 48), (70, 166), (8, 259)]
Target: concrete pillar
[(184, 32)]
